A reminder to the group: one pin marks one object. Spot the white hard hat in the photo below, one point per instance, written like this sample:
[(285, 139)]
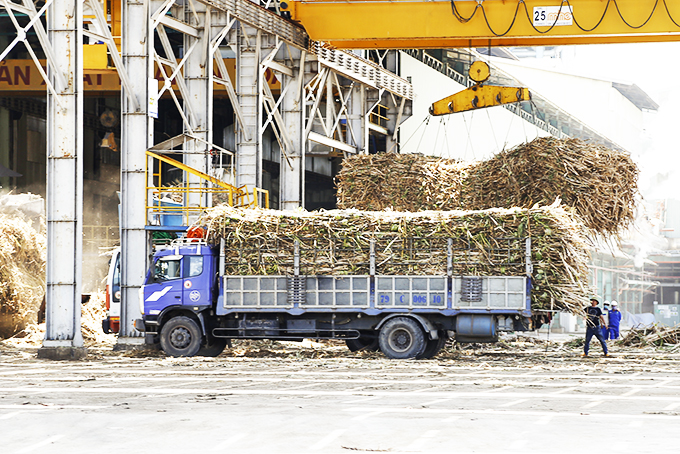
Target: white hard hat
[(607, 303), (614, 303)]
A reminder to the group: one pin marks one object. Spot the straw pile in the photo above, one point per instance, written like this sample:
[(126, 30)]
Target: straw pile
[(338, 242), (92, 314), (655, 335), (22, 274), (598, 183)]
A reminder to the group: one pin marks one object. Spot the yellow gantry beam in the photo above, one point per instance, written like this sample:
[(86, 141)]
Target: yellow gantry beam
[(390, 24)]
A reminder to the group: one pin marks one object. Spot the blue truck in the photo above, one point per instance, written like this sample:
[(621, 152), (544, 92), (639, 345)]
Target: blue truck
[(191, 306)]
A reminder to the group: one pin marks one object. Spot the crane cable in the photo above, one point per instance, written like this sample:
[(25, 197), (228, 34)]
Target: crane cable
[(425, 122), (480, 5)]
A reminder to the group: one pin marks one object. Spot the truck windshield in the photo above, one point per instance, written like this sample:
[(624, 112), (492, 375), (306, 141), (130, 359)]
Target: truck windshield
[(167, 269)]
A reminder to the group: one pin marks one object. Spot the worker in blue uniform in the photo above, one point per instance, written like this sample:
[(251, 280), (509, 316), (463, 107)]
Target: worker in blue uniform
[(593, 319), (605, 316), (614, 321)]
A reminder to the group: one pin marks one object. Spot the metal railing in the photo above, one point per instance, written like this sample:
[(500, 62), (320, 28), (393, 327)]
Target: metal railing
[(168, 205)]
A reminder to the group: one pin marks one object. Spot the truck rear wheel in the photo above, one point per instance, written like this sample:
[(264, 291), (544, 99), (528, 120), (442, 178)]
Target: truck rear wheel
[(433, 347), (181, 336), (402, 338), (216, 347)]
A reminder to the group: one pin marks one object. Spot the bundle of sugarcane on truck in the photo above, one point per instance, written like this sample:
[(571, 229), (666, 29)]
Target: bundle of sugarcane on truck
[(402, 283)]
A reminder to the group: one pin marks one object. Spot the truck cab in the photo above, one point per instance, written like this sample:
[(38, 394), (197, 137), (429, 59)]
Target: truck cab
[(179, 289), (180, 277)]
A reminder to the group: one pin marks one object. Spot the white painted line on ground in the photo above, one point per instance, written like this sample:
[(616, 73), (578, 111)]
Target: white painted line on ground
[(309, 385), (328, 439), (331, 393), (544, 420), (368, 415), (424, 390), (361, 400), (636, 424), (420, 441), (565, 390), (237, 375), (502, 388), (452, 419), (40, 445), (631, 392), (228, 442), (38, 407), (438, 401), (506, 413), (592, 404), (236, 381), (672, 406), (358, 388), (514, 402), (10, 415)]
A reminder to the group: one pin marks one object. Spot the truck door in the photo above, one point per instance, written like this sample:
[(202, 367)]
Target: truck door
[(164, 286), (197, 291)]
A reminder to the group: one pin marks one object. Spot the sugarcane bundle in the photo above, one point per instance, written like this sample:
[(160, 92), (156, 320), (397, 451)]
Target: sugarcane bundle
[(599, 184), (403, 182), (22, 274), (488, 242)]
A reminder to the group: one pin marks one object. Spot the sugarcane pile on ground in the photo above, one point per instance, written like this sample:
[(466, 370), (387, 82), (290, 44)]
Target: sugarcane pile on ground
[(598, 183), (22, 274), (489, 242), (92, 314), (654, 335)]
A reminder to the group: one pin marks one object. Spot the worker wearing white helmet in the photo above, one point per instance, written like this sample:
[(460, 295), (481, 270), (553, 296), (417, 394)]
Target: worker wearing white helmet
[(605, 315), (614, 321)]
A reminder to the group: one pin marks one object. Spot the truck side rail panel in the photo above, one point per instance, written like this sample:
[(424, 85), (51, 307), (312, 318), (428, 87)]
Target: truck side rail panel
[(297, 294)]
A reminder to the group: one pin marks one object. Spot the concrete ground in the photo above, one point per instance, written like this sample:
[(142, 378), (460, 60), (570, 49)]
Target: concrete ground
[(519, 396)]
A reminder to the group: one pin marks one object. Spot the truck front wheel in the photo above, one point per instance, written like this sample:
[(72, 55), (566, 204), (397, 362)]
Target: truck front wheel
[(181, 336), (402, 338)]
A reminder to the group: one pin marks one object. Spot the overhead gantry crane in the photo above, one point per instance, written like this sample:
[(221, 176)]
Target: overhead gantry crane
[(328, 24), (437, 24)]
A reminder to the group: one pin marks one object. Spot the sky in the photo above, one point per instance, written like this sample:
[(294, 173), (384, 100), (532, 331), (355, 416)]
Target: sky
[(654, 67)]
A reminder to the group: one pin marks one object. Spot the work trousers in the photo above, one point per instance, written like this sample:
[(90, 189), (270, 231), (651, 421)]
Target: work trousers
[(597, 332), (613, 332)]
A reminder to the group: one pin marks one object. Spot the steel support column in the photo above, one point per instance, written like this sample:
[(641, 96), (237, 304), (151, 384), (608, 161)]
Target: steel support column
[(137, 136), (249, 144), (293, 162), (200, 97), (63, 337)]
